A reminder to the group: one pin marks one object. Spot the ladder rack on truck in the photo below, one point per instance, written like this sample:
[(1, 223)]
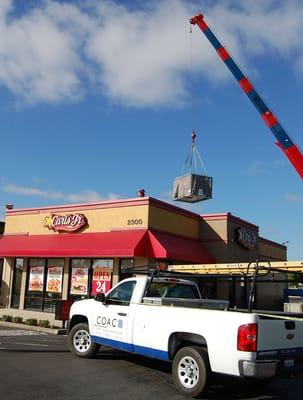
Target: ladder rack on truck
[(245, 273), (239, 268), (249, 274)]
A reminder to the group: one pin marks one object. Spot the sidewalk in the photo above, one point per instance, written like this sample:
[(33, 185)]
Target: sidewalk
[(60, 331)]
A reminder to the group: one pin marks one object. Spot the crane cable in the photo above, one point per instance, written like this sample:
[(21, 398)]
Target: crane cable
[(194, 156)]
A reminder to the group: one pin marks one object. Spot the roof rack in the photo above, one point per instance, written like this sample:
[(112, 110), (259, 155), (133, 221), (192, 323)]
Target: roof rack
[(240, 268), (251, 271)]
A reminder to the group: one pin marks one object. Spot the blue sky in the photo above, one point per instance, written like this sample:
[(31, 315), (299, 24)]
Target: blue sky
[(98, 99)]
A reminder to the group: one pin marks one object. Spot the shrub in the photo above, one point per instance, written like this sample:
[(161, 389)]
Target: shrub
[(44, 323), (31, 321), (7, 318), (18, 320)]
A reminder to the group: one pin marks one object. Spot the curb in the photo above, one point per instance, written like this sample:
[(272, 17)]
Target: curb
[(59, 331)]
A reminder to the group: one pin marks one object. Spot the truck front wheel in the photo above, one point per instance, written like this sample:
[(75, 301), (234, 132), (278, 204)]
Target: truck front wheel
[(80, 343), (191, 370)]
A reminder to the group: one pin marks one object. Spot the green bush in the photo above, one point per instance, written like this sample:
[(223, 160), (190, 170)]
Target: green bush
[(7, 318), (44, 323), (31, 321), (18, 320)]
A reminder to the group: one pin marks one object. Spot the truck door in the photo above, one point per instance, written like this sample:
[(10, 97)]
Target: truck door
[(111, 320)]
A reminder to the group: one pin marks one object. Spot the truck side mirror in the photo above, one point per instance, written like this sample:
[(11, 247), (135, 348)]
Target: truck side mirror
[(100, 297)]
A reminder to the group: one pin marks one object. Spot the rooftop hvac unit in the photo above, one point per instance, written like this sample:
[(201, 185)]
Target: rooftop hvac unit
[(192, 188)]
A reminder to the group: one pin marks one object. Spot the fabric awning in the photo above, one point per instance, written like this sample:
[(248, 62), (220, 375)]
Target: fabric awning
[(167, 246), (125, 243), (103, 244)]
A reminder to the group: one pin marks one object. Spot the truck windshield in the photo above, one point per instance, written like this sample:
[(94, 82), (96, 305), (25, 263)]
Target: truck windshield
[(175, 290)]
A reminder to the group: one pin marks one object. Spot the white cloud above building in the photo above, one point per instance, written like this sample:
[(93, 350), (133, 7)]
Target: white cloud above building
[(57, 52)]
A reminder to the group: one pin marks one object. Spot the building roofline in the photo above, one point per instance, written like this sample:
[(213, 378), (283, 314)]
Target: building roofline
[(96, 204), (229, 216), (137, 201), (271, 242)]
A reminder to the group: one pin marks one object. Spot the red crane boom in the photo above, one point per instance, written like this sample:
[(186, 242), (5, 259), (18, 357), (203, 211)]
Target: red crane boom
[(286, 144)]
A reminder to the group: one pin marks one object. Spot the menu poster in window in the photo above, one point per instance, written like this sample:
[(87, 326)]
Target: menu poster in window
[(102, 276), (36, 279), (54, 279), (79, 281)]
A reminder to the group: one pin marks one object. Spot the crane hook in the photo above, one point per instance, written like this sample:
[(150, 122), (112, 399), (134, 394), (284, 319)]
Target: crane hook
[(193, 136)]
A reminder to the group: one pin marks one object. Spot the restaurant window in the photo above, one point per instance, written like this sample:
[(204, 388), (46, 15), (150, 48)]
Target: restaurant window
[(102, 273), (54, 281), (126, 264), (44, 284), (79, 278), (16, 286), (89, 277)]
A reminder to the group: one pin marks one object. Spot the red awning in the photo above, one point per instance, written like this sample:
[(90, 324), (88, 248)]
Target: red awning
[(104, 244), (172, 247), (132, 243)]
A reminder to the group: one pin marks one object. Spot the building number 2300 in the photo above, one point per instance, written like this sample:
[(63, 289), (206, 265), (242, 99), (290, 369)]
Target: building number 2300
[(135, 221)]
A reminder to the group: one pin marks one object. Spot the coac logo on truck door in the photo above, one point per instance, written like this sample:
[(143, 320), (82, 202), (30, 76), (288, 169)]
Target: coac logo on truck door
[(106, 322)]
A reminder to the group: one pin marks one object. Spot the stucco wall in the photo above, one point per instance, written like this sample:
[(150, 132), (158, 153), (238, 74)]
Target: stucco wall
[(172, 222), (99, 219)]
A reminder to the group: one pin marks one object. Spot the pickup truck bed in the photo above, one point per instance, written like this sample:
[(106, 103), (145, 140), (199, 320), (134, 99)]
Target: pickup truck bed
[(210, 304)]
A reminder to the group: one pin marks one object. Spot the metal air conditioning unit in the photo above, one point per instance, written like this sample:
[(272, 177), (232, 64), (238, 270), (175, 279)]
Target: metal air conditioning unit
[(192, 188)]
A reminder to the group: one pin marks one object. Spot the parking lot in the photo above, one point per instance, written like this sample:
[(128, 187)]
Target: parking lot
[(39, 366)]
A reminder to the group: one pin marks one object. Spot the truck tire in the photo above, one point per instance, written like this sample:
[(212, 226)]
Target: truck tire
[(191, 370), (80, 342)]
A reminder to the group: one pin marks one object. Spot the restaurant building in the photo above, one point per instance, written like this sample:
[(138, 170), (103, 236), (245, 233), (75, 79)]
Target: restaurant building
[(70, 252)]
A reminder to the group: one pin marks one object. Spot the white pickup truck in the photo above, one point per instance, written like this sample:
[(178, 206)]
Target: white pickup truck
[(166, 318)]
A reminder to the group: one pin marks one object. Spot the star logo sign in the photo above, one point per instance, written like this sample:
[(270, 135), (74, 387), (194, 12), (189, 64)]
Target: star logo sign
[(48, 222)]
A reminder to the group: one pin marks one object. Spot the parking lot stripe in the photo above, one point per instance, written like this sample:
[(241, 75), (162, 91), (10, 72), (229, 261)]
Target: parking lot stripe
[(32, 344)]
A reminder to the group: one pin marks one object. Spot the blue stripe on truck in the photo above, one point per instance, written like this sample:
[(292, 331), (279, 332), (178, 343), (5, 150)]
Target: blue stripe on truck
[(144, 351)]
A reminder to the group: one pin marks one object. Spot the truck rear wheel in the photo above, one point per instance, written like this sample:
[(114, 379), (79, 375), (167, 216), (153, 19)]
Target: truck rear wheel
[(191, 370), (80, 343)]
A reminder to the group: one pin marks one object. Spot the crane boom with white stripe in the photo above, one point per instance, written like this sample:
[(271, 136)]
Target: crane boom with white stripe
[(286, 144)]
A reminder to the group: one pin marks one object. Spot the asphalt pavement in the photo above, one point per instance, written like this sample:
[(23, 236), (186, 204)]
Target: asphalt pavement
[(38, 365)]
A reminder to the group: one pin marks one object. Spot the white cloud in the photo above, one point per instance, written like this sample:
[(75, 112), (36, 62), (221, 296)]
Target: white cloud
[(257, 168), (85, 196), (293, 197), (140, 56), (143, 55), (39, 58)]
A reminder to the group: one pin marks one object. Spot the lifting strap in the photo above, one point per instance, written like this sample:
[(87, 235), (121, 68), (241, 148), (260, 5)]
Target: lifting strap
[(193, 159)]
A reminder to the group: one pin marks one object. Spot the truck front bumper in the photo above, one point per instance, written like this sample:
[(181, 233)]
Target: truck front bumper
[(258, 369)]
